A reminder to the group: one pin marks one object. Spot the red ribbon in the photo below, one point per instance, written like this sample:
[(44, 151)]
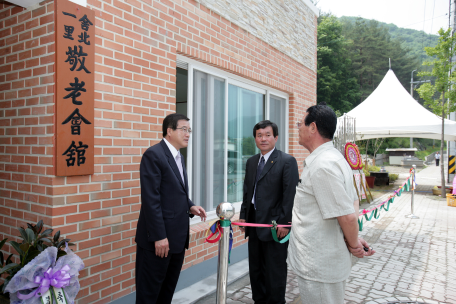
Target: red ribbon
[(217, 232), (364, 211), (257, 225)]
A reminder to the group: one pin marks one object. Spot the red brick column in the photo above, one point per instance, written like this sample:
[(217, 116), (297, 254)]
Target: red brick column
[(26, 116)]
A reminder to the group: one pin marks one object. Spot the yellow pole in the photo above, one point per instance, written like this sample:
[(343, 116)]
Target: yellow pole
[(356, 187)]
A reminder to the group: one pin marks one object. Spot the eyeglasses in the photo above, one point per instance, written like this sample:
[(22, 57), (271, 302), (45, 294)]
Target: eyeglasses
[(185, 130), (299, 124)]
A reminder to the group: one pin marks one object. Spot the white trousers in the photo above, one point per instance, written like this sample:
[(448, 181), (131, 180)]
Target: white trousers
[(313, 292)]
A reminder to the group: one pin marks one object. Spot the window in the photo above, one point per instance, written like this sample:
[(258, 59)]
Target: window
[(208, 144), (223, 109), (277, 112), (245, 109)]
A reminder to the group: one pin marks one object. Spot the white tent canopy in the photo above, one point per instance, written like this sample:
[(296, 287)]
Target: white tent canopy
[(390, 111)]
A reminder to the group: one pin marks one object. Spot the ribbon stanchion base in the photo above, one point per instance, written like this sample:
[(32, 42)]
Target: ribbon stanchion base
[(412, 216)]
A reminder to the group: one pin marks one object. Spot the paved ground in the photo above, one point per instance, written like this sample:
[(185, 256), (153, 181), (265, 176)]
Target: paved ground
[(415, 259)]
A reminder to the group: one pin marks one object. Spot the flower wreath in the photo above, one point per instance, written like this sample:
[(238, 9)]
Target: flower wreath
[(352, 156)]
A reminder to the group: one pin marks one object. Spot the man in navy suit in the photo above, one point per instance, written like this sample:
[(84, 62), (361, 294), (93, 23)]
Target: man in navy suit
[(162, 234), (270, 184)]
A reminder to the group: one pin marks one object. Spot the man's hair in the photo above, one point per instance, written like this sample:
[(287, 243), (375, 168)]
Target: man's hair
[(325, 119), (264, 124), (171, 121)]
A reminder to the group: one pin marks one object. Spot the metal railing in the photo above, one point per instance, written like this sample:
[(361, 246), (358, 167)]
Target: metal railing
[(345, 132)]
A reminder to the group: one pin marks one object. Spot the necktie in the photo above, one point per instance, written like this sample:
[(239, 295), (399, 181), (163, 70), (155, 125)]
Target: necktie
[(259, 170), (179, 166)]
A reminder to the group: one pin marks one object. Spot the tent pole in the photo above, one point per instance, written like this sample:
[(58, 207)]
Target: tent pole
[(354, 131), (345, 130)]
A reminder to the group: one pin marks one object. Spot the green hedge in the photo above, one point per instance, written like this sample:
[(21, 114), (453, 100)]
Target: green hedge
[(370, 169)]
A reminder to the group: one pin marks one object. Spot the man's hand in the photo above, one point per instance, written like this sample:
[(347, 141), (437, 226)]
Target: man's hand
[(365, 244), (242, 228), (357, 250), (162, 248), (198, 210), (282, 232)]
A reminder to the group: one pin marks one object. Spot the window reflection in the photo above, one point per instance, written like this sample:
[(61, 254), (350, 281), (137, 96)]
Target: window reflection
[(245, 109), (277, 108), (208, 144), (212, 152)]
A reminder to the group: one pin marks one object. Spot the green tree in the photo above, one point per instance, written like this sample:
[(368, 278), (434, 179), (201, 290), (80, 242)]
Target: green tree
[(405, 48), (444, 87), (336, 84), (248, 146), (413, 40), (370, 52)]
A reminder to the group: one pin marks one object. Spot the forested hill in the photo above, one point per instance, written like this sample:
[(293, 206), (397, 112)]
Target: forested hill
[(413, 40), (353, 55), (352, 59)]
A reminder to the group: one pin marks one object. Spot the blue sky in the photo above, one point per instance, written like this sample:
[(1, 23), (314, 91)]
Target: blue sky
[(427, 15)]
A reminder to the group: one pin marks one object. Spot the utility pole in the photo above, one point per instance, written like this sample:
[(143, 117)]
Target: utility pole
[(451, 147), (411, 93), (411, 83), (416, 82)]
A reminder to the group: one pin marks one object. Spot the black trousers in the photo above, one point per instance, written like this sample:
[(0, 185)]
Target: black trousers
[(437, 161), (156, 277), (267, 268)]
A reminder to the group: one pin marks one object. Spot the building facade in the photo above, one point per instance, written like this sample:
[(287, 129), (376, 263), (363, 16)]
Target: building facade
[(225, 64)]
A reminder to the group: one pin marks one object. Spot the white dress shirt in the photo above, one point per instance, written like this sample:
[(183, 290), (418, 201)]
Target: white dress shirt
[(175, 153)]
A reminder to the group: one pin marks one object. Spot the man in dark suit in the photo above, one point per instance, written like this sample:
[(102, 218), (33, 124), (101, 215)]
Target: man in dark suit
[(162, 234), (270, 184)]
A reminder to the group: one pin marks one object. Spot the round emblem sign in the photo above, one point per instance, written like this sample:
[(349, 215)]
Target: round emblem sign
[(352, 156)]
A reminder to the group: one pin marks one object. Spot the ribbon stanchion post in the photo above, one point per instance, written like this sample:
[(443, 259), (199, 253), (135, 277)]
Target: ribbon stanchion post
[(221, 232), (412, 214), (225, 211)]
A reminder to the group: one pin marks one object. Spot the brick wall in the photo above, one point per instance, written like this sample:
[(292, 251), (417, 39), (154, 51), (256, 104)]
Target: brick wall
[(287, 25), (135, 87), (26, 116)]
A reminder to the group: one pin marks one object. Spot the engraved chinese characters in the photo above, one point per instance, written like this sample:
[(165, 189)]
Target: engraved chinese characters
[(75, 63)]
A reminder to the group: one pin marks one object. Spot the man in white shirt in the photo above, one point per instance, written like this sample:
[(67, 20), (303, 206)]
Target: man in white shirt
[(325, 214)]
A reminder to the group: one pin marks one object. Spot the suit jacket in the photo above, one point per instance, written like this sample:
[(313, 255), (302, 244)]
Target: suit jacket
[(275, 192), (164, 201)]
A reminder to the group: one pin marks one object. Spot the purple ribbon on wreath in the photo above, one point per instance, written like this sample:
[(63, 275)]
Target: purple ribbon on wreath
[(58, 279)]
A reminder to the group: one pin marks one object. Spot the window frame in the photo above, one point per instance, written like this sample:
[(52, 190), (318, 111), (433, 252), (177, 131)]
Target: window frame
[(239, 81)]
